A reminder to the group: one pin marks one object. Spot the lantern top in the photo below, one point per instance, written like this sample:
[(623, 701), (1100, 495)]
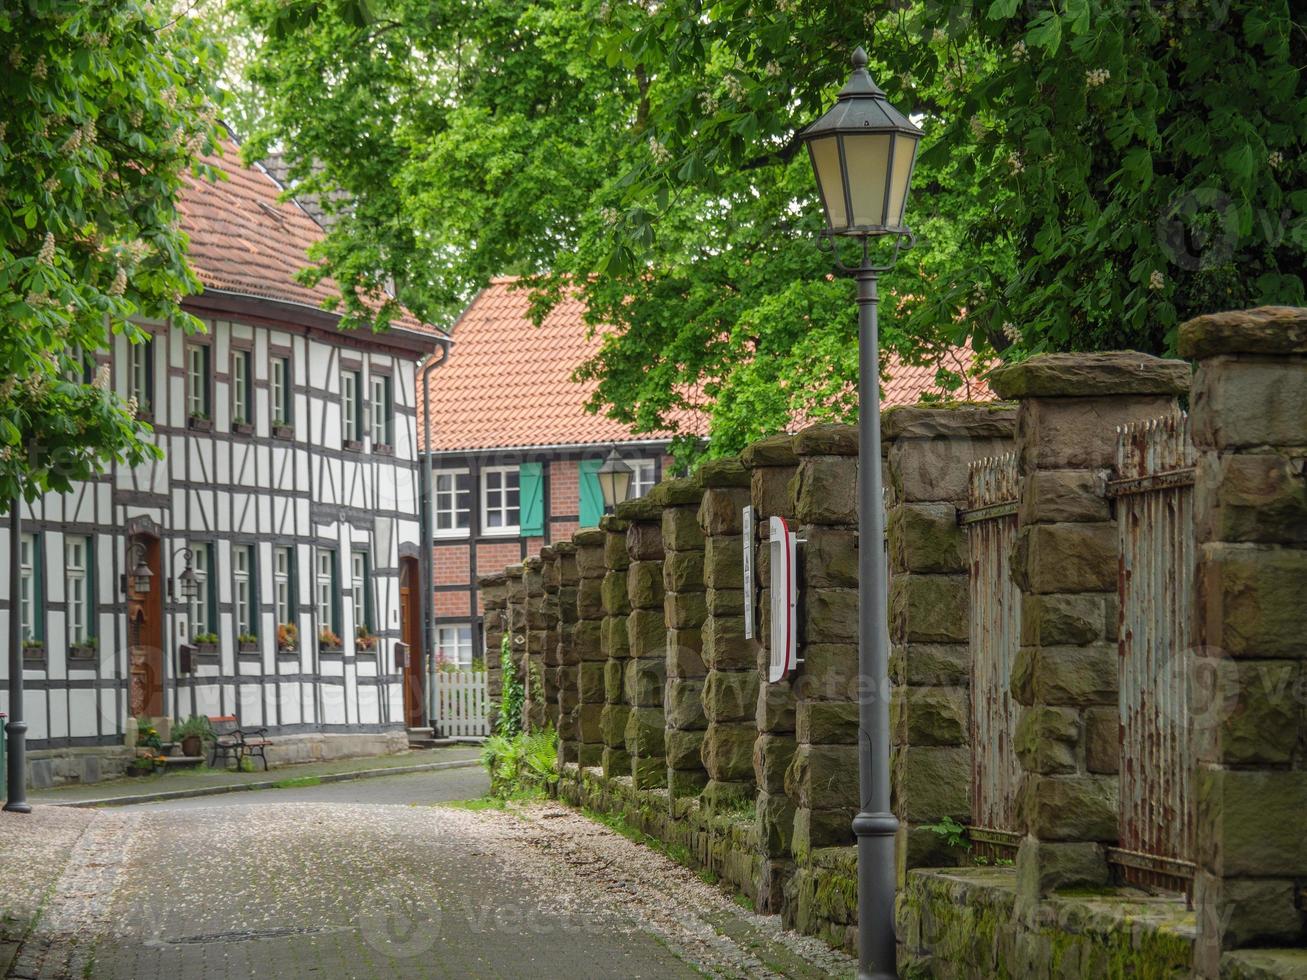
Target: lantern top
[(861, 107)]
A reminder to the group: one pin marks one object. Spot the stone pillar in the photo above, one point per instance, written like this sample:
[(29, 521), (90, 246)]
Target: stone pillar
[(646, 669), (550, 659), (517, 625), (616, 648), (537, 642), (685, 608), (929, 452), (493, 590), (1249, 424), (1065, 563), (732, 687), (823, 776), (568, 660), (587, 645)]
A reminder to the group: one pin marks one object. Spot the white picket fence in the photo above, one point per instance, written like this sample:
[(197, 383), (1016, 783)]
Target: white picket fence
[(462, 703)]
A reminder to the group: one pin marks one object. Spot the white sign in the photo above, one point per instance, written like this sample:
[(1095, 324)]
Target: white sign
[(748, 571), (783, 557)]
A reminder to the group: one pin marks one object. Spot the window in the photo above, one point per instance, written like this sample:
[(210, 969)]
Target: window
[(80, 594), (29, 587), (359, 578), (643, 478), (203, 616), (197, 381), (383, 423), (326, 590), (283, 577), (246, 604), (242, 401), (351, 390), (454, 646), (280, 391), (140, 374), (452, 502), (500, 500)]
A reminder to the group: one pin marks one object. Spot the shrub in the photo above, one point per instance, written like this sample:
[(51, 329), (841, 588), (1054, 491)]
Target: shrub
[(521, 766)]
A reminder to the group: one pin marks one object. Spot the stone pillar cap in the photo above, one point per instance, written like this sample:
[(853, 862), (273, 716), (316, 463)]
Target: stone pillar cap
[(1090, 375), (1264, 330), (725, 472), (588, 537), (827, 439), (775, 450), (982, 421), (492, 580)]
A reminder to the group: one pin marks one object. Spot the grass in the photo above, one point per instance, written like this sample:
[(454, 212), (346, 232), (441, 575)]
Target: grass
[(477, 805), (295, 782)]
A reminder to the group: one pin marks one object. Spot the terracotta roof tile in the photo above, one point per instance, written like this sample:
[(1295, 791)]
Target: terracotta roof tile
[(508, 384), (244, 240)]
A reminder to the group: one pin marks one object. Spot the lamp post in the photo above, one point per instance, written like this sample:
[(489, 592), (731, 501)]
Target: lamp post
[(16, 728), (614, 480), (862, 152)]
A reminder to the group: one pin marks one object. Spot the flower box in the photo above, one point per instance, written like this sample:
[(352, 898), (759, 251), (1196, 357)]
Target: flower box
[(330, 651), (199, 424), (381, 449), (353, 446), (247, 646), (34, 657), (83, 651), (283, 432), (205, 648), (243, 428)]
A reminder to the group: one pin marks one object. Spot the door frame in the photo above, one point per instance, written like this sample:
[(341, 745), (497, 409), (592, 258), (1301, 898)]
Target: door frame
[(410, 603)]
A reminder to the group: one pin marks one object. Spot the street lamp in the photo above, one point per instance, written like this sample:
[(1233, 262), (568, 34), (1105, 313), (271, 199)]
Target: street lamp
[(190, 585), (614, 480), (862, 153)]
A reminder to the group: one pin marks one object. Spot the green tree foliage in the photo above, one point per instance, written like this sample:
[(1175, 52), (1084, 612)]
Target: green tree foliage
[(104, 107), (1093, 172)]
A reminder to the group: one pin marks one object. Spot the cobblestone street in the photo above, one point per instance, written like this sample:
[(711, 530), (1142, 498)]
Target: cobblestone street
[(312, 882)]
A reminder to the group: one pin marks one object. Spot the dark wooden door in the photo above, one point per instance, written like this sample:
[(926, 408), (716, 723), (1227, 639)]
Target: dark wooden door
[(410, 629), (145, 636)]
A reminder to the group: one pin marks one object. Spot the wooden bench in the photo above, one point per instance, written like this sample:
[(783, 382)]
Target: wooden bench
[(230, 741)]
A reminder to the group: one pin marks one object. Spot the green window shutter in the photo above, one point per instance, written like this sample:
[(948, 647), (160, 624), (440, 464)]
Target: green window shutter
[(531, 483), (592, 495)]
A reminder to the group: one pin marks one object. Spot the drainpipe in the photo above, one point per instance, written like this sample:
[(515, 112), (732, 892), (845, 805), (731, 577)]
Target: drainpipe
[(427, 538)]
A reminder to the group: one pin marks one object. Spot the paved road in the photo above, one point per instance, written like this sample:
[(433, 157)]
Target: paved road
[(376, 879), (416, 789)]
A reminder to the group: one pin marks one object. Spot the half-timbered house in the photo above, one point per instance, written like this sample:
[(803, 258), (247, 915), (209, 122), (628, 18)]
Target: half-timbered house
[(288, 486)]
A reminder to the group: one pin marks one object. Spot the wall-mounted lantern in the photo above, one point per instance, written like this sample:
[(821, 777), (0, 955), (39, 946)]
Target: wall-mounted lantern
[(141, 577), (614, 480)]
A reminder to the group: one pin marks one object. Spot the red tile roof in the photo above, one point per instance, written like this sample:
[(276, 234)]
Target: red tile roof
[(244, 240), (507, 384)]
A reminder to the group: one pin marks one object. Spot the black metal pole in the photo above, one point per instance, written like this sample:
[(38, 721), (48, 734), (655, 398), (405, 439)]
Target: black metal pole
[(16, 729), (876, 825)]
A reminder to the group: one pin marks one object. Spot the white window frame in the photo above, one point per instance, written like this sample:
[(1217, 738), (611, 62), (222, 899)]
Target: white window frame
[(197, 384), (27, 585), (325, 581), (240, 387), (445, 503), (456, 637), (358, 570), (200, 602), (351, 406), (77, 552), (138, 373), (242, 561), (279, 389), (639, 468), (283, 559), (382, 411), (507, 530)]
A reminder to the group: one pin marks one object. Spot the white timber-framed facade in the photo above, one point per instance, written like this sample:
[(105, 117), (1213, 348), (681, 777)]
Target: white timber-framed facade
[(260, 480)]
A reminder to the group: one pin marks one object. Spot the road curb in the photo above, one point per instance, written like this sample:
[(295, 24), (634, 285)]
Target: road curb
[(331, 777)]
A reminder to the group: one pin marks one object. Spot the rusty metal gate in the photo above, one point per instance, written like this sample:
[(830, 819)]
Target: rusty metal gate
[(1153, 487), (991, 522)]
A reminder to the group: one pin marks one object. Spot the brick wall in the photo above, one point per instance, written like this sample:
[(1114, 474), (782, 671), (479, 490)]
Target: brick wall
[(564, 488)]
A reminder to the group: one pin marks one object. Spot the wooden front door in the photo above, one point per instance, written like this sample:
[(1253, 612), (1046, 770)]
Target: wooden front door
[(145, 634), (410, 613)]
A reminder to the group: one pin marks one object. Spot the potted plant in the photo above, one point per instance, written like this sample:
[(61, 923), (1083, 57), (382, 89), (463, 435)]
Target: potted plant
[(199, 420), (84, 650), (205, 642), (363, 640), (288, 638), (247, 643), (282, 429), (192, 734), (241, 425), (328, 642), (34, 651)]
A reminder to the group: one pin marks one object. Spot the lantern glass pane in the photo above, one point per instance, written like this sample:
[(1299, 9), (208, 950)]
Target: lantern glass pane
[(621, 484), (867, 158), (905, 148), (830, 181)]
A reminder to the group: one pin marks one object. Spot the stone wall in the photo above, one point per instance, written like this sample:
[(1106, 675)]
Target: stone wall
[(676, 731)]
